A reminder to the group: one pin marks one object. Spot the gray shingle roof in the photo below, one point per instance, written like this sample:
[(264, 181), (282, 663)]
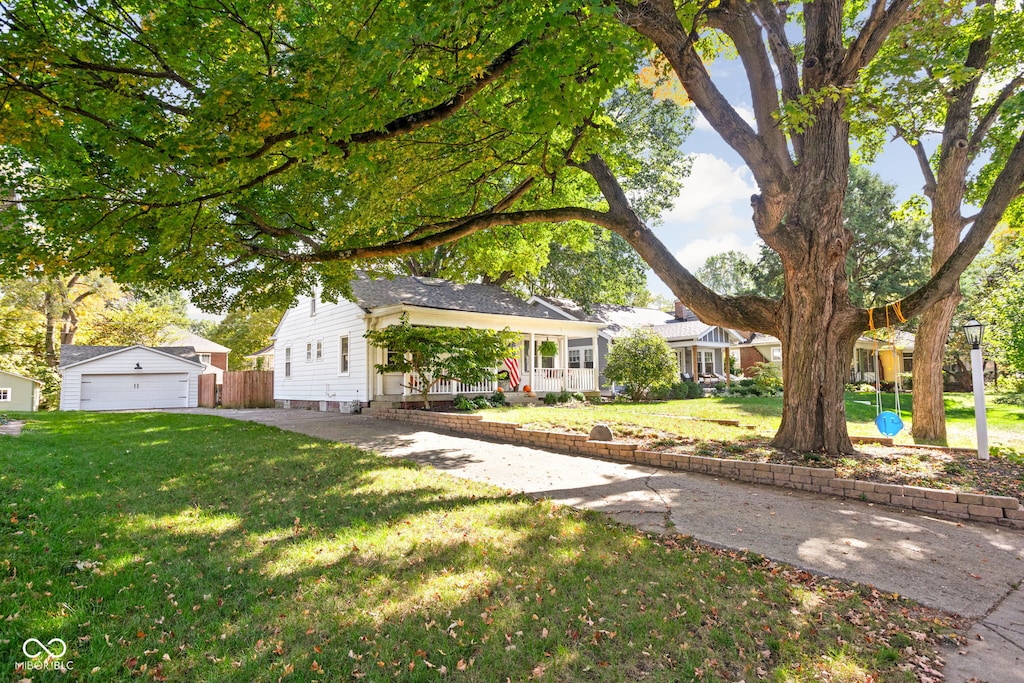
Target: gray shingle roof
[(75, 353), (619, 320), (690, 329), (444, 295)]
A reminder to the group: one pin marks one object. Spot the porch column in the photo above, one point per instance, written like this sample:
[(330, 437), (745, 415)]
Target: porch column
[(597, 364), (563, 359), (693, 366), (727, 361), (533, 361)]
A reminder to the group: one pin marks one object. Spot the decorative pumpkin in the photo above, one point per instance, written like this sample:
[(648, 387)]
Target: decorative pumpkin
[(527, 388), (500, 390)]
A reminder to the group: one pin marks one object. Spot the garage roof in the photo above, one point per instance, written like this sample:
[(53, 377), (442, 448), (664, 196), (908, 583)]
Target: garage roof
[(73, 354)]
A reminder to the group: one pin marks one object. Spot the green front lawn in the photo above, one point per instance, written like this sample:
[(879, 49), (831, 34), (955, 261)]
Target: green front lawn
[(761, 417), (188, 548)]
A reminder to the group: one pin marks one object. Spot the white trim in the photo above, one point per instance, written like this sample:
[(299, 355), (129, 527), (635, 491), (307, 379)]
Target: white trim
[(344, 353), (129, 348), (14, 374)]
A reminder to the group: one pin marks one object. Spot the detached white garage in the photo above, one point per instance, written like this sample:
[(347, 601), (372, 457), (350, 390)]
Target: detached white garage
[(129, 377)]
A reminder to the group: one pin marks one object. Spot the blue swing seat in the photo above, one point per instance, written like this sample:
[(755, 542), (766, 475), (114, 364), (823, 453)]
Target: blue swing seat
[(889, 423)]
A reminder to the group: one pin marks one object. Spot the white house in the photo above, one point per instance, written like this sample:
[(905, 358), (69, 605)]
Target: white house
[(128, 377), (322, 360)]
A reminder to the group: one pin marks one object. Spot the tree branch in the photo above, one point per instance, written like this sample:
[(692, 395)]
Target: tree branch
[(876, 29), (749, 312), (461, 229), (745, 33), (1005, 189), (922, 160), (657, 20), (774, 19), (985, 124)]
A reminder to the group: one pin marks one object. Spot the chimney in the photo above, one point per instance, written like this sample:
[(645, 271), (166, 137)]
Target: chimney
[(682, 312)]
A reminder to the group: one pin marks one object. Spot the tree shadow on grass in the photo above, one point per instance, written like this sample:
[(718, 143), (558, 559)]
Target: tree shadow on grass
[(250, 553)]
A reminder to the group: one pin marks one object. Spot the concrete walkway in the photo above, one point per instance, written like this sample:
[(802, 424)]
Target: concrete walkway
[(974, 570)]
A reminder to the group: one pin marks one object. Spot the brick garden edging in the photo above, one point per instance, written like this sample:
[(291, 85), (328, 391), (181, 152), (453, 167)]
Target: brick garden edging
[(1003, 510)]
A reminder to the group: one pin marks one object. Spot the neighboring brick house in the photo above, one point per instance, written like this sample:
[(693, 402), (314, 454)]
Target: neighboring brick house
[(212, 355)]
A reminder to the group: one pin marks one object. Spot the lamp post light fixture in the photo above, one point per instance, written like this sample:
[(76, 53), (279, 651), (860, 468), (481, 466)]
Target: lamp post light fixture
[(974, 331)]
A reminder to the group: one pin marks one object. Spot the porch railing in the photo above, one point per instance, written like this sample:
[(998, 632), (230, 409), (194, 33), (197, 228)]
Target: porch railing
[(541, 380)]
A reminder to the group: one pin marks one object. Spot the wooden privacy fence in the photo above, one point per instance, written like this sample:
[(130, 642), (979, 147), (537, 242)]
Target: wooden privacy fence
[(208, 391), (244, 389), (248, 389)]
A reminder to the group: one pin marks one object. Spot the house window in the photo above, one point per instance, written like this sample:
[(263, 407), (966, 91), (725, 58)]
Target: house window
[(287, 361), (312, 306), (5, 394), (394, 357), (777, 353), (574, 358), (705, 362), (204, 358), (908, 361), (588, 358), (319, 350), (309, 351), (343, 355)]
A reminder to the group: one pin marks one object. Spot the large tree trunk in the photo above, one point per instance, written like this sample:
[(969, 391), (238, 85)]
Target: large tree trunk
[(929, 353), (50, 343)]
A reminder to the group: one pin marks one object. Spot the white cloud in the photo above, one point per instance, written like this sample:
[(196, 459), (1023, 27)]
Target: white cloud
[(694, 254), (711, 184), (712, 213), (746, 113)]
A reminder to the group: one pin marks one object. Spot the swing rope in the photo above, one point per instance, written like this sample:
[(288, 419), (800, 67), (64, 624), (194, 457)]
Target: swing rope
[(898, 313)]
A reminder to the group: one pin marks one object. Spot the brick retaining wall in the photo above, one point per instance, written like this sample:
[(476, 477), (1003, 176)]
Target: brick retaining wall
[(1002, 510)]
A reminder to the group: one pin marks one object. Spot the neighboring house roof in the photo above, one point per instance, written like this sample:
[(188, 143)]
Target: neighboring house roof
[(691, 329), (74, 354), (619, 320), (758, 339), (262, 353), (14, 374), (427, 292), (181, 337)]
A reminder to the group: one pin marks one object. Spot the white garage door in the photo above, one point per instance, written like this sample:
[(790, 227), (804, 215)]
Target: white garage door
[(124, 392)]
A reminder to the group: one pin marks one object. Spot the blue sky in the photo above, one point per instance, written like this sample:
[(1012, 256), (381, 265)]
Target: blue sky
[(712, 213)]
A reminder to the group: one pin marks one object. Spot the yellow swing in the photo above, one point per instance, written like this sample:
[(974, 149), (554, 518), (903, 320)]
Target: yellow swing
[(889, 423)]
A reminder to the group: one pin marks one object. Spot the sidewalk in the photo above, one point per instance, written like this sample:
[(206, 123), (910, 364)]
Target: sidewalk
[(974, 570)]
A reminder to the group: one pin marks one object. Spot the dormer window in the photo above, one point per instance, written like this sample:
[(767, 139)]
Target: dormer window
[(204, 358)]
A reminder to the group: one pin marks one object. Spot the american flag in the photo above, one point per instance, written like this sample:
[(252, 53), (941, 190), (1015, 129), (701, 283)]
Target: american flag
[(512, 364)]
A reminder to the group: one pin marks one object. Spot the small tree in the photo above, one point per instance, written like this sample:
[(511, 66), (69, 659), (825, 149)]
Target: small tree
[(433, 354), (640, 361)]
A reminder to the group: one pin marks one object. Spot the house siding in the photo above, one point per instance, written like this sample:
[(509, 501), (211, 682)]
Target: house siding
[(318, 380), (124, 363), (23, 395)]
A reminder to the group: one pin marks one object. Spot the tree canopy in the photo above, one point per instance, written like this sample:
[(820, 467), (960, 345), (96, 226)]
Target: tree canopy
[(248, 151)]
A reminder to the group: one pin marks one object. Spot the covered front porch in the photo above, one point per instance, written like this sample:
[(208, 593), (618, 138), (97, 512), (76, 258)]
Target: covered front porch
[(544, 359)]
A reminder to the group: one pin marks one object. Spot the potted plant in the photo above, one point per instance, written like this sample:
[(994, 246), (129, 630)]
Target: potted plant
[(548, 348)]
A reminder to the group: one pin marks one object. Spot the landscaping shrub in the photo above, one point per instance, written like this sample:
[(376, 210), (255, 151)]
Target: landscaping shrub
[(661, 392), (1010, 399), (746, 382), (641, 360), (578, 396), (498, 399), (694, 390), (767, 378), (564, 396), (481, 402), (550, 399), (462, 403)]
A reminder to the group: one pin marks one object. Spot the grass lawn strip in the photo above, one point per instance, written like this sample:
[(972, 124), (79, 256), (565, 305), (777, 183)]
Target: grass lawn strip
[(181, 548)]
